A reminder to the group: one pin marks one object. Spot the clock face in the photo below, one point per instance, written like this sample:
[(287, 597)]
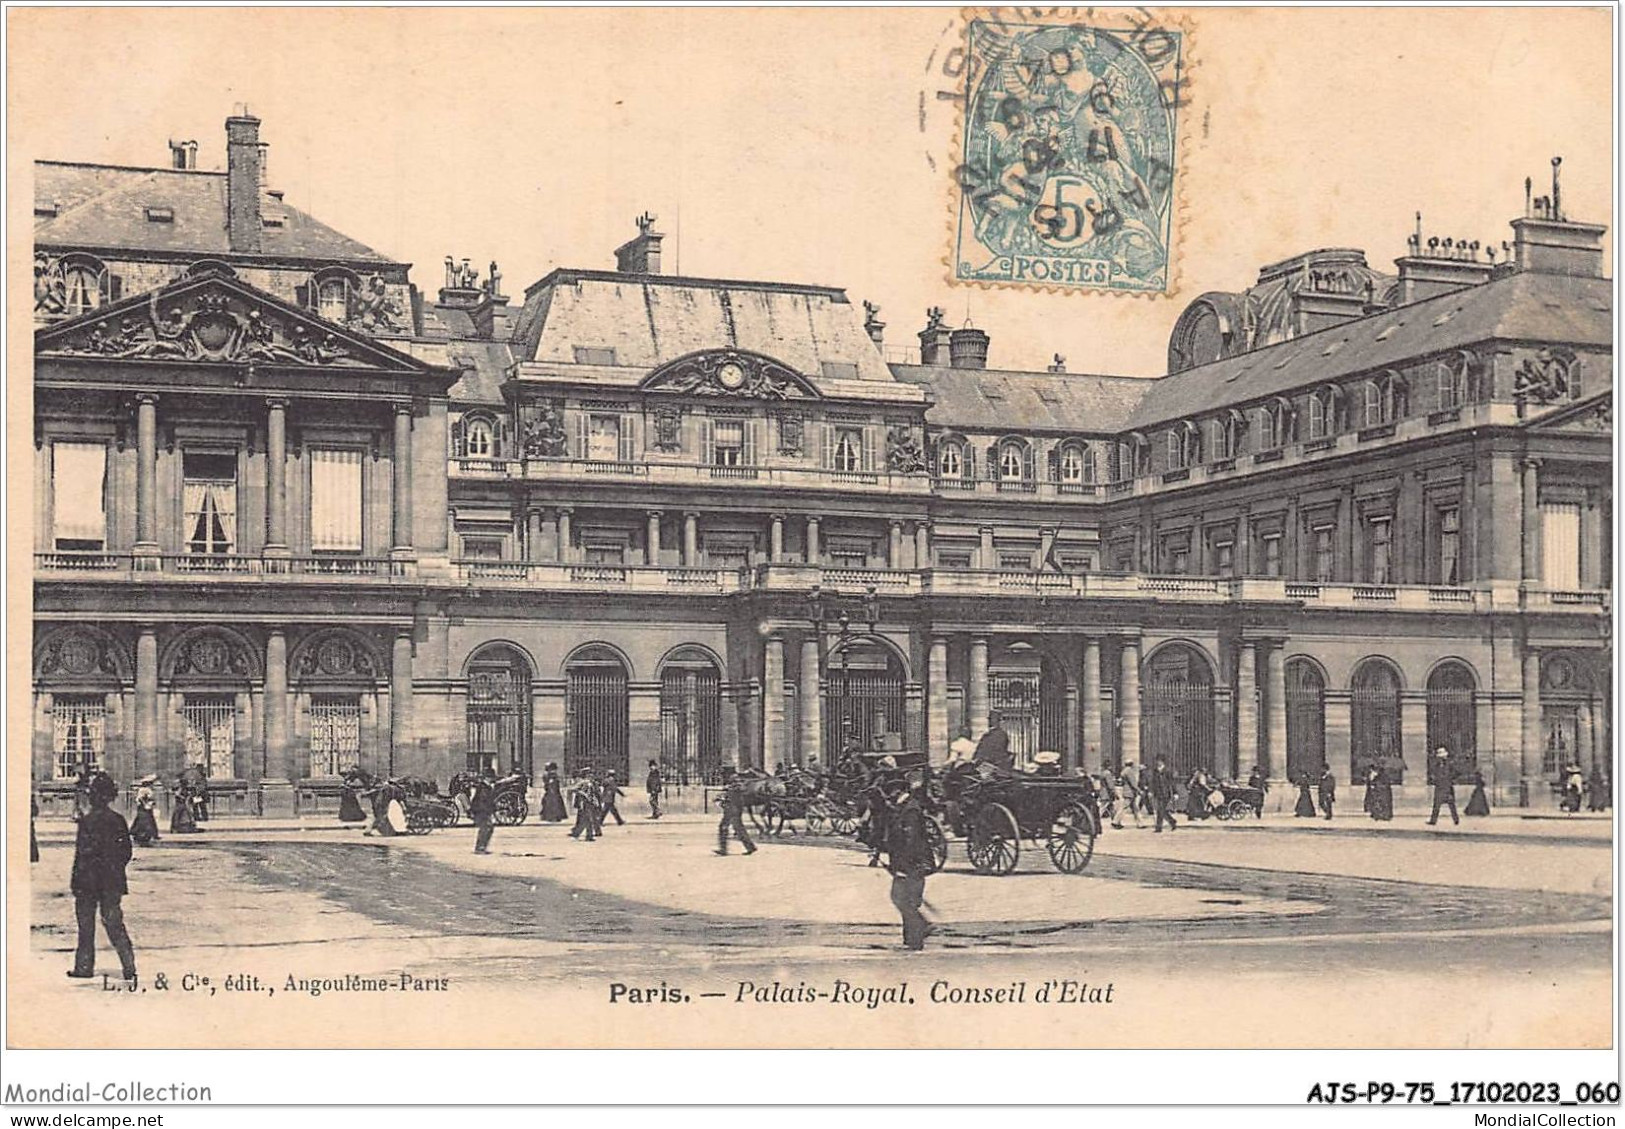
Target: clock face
[(731, 376)]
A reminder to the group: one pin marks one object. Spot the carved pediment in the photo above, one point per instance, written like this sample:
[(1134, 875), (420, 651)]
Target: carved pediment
[(730, 373), (1591, 416), (214, 318)]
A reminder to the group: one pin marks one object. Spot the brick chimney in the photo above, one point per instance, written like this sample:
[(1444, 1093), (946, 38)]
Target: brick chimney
[(183, 155), (934, 337), (640, 255), (1547, 241), (243, 184), (967, 348)]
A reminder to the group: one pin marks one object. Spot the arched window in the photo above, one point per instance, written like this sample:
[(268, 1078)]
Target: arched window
[(479, 438), (690, 718), (333, 299), (1384, 399), (1305, 719), (951, 459), (1176, 450), (498, 711), (1274, 424), (1451, 378), (1453, 716), (1323, 409), (1376, 739), (84, 290), (1076, 464), (1011, 463), (848, 450), (596, 723)]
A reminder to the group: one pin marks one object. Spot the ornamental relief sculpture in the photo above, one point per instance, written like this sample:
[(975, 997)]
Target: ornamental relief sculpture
[(731, 374), (211, 327)]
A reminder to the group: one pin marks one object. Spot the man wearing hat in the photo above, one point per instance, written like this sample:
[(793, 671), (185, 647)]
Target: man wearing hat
[(1164, 789), (100, 854), (482, 809), (1444, 786), (654, 785), (909, 860), (994, 747), (144, 830)]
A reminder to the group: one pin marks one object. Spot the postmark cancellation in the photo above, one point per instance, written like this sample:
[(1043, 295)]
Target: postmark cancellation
[(1067, 164)]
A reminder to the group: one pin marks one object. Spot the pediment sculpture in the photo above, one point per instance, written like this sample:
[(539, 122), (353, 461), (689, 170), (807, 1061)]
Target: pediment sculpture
[(730, 373)]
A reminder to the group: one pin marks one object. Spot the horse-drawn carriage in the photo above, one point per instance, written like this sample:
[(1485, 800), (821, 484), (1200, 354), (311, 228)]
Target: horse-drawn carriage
[(513, 790), (1229, 800), (426, 809), (994, 811)]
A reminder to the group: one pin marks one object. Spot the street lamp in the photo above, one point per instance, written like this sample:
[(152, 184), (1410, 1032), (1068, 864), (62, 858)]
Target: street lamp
[(819, 606)]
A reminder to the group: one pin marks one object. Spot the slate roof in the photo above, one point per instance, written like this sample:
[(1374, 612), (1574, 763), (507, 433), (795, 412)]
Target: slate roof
[(975, 399), (484, 365), (1523, 305), (648, 320), (105, 206)]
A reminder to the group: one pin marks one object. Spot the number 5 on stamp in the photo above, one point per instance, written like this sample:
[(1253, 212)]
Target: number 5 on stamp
[(1067, 171)]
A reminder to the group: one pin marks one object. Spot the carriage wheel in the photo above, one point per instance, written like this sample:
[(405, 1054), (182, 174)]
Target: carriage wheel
[(843, 821), (418, 823), (995, 840), (818, 818), (1222, 812), (939, 844), (511, 808), (1239, 809), (1071, 840)]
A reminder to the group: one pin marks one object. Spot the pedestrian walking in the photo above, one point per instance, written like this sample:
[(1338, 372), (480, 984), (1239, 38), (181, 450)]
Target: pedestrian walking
[(1573, 788), (1444, 786), (100, 854), (1379, 794), (482, 809), (1478, 803), (733, 808), (553, 809), (182, 815), (1260, 783), (1597, 790), (1305, 808), (1164, 790), (609, 790), (350, 809), (1128, 788), (144, 829), (585, 797), (910, 861), (1145, 789), (1327, 787), (654, 785)]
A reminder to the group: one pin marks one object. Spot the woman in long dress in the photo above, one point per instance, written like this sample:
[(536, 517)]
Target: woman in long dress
[(1379, 794), (181, 821), (553, 809), (1196, 790), (350, 809), (144, 828), (1305, 808), (1478, 803)]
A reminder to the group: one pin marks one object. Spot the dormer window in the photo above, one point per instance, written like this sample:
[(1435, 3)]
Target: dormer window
[(1323, 412), (1184, 445), (86, 285), (160, 215), (1075, 465), (1010, 462), (1384, 399), (848, 450), (333, 299), (951, 459), (480, 438)]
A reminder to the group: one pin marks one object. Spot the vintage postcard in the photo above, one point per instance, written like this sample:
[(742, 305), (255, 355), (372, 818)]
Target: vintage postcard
[(659, 528)]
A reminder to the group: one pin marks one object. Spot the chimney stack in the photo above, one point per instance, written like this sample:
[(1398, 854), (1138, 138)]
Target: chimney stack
[(1546, 242), (967, 348), (1058, 364), (934, 337), (640, 255), (183, 155), (243, 156)]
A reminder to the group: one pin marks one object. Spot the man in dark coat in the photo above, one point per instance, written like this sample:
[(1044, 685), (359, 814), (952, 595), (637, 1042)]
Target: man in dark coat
[(1146, 804), (482, 809), (1327, 787), (585, 798), (909, 860), (994, 747), (733, 809), (654, 785), (1444, 786), (1257, 780), (606, 804), (100, 855), (1164, 789)]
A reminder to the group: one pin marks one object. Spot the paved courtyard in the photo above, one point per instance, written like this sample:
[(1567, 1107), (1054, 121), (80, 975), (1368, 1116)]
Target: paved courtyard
[(1278, 932)]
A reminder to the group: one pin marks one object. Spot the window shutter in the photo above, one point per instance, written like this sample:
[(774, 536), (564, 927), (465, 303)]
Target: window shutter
[(583, 429), (1088, 453), (1055, 464), (114, 286), (829, 446), (1028, 458), (628, 445), (708, 450), (301, 295), (868, 449), (504, 438), (750, 443), (459, 444)]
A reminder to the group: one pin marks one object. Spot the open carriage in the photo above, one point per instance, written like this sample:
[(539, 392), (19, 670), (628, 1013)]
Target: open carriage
[(994, 811), (513, 790)]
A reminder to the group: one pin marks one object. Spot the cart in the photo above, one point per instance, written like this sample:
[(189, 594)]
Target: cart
[(1238, 801), (995, 810)]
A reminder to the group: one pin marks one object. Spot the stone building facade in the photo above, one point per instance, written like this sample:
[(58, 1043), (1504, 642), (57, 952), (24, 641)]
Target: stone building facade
[(295, 514)]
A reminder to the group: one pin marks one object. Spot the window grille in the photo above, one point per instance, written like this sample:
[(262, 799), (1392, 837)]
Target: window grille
[(210, 722), (335, 734), (78, 734)]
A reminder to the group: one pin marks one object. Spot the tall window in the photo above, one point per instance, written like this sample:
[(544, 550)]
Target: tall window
[(1560, 545), (1010, 463), (1077, 464), (728, 439), (1272, 554), (1176, 450), (1322, 413), (1450, 545), (1379, 549), (209, 494), (604, 438), (1269, 430), (1452, 715), (848, 454), (1375, 412), (1452, 382), (479, 438), (1374, 709), (210, 722), (333, 299), (335, 501), (83, 289), (1179, 561), (1224, 558), (79, 492), (951, 460), (335, 733), (78, 734), (1325, 553)]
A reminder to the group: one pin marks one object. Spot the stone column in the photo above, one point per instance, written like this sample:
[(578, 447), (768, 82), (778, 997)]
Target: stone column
[(651, 540), (1128, 701), (894, 548), (810, 700), (976, 692), (772, 702), (1248, 746), (815, 550), (922, 544), (1243, 548), (936, 701), (146, 483), (1092, 753), (1531, 526), (691, 539), (146, 701), (276, 790), (775, 540), (533, 536), (1347, 571), (1586, 753), (276, 476), (1533, 779), (400, 705), (1273, 759), (984, 553), (566, 552), (401, 459)]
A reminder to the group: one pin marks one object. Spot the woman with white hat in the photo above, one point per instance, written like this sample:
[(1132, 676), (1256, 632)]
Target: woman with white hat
[(144, 829)]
